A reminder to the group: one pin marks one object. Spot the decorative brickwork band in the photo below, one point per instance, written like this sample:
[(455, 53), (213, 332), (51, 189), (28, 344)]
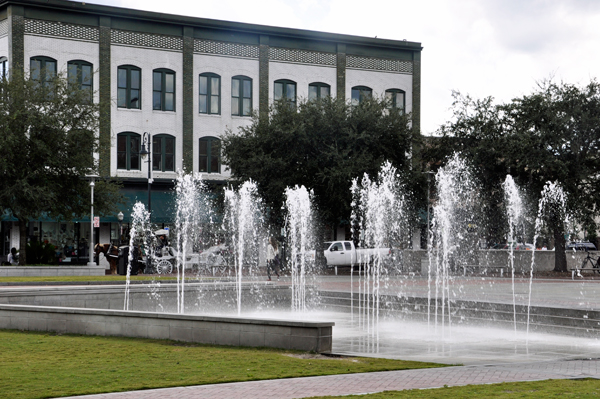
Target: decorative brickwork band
[(136, 39), (225, 48), (379, 64), (59, 29), (105, 103), (188, 103), (302, 56), (4, 27)]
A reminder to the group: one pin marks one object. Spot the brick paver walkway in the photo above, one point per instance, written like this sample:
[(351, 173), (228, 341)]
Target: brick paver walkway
[(372, 382)]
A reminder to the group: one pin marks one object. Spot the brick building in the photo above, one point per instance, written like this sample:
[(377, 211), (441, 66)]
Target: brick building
[(185, 81)]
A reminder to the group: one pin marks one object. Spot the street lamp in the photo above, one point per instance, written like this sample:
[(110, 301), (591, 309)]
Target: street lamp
[(92, 184), (147, 140), (120, 219)]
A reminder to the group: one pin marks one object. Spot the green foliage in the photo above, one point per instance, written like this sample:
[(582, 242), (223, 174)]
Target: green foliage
[(552, 134), (41, 253), (48, 137), (322, 144), (36, 365)]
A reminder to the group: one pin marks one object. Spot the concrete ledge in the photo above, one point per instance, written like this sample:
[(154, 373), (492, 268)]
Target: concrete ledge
[(51, 271), (284, 334)]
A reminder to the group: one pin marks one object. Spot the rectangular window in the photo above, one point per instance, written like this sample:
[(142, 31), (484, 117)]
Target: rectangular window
[(318, 90), (209, 155), (241, 96), (79, 74), (285, 89), (128, 151), (209, 100), (163, 90), (163, 153), (129, 87)]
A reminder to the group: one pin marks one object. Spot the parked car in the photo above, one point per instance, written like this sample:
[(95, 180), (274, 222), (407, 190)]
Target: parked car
[(581, 246)]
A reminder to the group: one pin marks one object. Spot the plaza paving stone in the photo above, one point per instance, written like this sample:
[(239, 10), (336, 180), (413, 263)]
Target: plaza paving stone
[(362, 383)]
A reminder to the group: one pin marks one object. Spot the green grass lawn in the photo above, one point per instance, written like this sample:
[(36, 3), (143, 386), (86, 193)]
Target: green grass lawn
[(566, 389), (41, 365)]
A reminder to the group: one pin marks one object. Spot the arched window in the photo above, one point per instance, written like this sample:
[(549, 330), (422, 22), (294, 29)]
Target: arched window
[(210, 155), (285, 90), (80, 76), (129, 87), (42, 69), (3, 67), (318, 90), (163, 153), (396, 99), (209, 94), (360, 93), (241, 96), (163, 90), (128, 151)]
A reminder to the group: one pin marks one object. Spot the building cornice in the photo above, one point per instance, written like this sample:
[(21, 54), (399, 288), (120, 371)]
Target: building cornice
[(186, 21)]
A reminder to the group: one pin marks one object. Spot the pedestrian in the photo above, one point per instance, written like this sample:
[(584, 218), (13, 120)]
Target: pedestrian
[(13, 256), (272, 258)]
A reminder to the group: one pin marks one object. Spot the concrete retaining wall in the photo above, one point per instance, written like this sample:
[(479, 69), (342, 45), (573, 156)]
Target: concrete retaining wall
[(51, 271), (298, 335)]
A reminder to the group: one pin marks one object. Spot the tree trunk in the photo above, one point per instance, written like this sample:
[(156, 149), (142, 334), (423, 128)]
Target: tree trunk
[(560, 256), (22, 242)]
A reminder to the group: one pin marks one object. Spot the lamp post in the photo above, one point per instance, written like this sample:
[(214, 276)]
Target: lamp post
[(92, 184), (147, 140), (120, 219)]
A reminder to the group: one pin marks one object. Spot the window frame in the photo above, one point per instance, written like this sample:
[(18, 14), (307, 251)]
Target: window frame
[(319, 86), (362, 91), (209, 110), (240, 98), (209, 155), (3, 67), (163, 137), (128, 89), (79, 64), (163, 91), (128, 151), (393, 104), (43, 60), (284, 90)]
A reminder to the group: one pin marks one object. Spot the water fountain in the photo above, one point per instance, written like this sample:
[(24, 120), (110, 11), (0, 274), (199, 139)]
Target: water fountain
[(515, 213), (244, 222), (396, 309), (379, 220), (299, 226), (139, 232)]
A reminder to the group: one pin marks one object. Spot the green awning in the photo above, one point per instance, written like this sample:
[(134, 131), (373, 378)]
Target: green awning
[(163, 205)]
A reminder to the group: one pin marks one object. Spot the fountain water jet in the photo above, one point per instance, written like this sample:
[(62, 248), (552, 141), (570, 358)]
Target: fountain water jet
[(244, 222), (140, 230), (379, 220), (299, 225), (514, 208), (453, 245)]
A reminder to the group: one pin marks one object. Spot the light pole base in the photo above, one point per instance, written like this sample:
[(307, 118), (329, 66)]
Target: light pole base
[(92, 264)]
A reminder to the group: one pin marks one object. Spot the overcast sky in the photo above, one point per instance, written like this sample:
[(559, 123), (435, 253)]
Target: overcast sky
[(498, 48)]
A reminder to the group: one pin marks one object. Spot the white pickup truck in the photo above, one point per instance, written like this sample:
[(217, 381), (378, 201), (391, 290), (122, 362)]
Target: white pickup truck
[(344, 253)]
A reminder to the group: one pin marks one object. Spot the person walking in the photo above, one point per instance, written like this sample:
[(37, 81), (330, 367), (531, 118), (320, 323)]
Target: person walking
[(272, 258)]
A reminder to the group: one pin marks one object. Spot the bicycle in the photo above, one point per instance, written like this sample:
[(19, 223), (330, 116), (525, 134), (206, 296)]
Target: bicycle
[(594, 263)]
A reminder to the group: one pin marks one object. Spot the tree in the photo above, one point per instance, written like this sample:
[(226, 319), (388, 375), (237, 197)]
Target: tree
[(48, 137), (322, 144), (551, 135)]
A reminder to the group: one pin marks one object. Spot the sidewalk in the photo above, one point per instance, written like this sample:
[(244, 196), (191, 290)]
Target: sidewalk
[(348, 384)]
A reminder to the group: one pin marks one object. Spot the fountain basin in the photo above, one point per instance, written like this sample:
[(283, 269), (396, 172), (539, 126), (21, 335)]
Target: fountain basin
[(237, 331)]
